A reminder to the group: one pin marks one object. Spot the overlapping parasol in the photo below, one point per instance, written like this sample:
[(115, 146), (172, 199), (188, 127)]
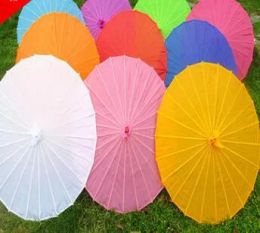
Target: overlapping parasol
[(35, 9), (63, 36), (98, 12), (233, 21), (134, 34), (168, 14), (193, 42), (126, 94), (47, 137)]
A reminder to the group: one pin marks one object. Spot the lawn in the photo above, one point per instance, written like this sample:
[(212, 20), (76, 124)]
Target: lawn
[(162, 215)]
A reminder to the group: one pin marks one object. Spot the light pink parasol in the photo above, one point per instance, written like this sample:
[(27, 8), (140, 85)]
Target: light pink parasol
[(126, 93), (232, 20)]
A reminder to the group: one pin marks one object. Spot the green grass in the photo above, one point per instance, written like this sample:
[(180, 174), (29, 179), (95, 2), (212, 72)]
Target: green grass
[(161, 216)]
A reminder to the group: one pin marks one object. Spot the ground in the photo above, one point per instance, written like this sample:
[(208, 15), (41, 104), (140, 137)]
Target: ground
[(162, 215)]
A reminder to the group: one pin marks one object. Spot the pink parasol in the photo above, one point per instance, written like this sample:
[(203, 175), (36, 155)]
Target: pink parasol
[(233, 21), (97, 13), (126, 94)]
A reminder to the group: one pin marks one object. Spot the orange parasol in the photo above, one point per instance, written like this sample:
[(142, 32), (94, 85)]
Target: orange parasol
[(63, 36)]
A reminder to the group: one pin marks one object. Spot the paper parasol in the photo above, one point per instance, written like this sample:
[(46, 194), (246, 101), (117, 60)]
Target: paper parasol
[(35, 9), (47, 137), (233, 21), (126, 93), (168, 14), (134, 34), (63, 36), (98, 12), (207, 143), (193, 42)]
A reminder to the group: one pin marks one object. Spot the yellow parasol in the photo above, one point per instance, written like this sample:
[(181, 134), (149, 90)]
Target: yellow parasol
[(207, 143)]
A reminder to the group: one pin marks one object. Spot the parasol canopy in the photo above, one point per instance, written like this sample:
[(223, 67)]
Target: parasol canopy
[(47, 137), (168, 14), (134, 34), (126, 93), (195, 41), (98, 12), (63, 36), (207, 143), (233, 21), (37, 8), (9, 8)]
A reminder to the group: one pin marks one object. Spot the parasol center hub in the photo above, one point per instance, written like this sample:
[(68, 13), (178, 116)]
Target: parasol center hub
[(212, 141), (36, 135), (101, 23), (215, 142), (126, 132)]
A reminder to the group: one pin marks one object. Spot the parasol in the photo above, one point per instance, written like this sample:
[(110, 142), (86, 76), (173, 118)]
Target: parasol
[(125, 93), (9, 8), (168, 14), (98, 12), (195, 41), (233, 21), (207, 143), (63, 36), (47, 137), (37, 8), (133, 34)]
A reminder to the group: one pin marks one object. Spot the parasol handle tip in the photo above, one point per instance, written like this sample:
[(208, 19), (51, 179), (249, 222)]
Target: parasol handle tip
[(101, 23), (126, 132), (215, 142)]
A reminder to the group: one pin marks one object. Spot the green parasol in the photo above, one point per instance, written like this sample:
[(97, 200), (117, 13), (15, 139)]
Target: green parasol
[(168, 14)]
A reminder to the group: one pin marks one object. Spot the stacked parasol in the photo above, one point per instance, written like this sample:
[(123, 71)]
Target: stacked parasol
[(68, 123)]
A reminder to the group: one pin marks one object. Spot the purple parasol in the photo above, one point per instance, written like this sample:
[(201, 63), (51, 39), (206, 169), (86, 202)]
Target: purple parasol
[(98, 12)]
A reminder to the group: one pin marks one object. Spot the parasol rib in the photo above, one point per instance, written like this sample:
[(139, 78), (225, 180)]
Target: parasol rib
[(241, 157), (164, 156), (205, 186), (20, 179), (114, 180), (222, 184), (231, 180), (182, 124), (30, 186), (59, 178), (27, 147)]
